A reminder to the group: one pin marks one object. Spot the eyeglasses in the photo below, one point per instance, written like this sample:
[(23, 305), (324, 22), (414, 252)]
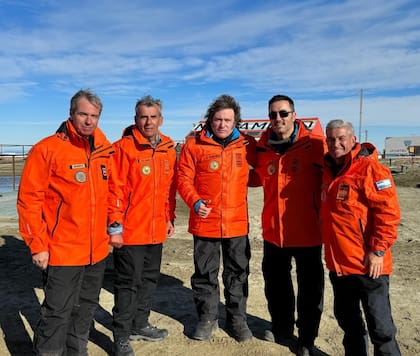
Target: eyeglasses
[(282, 113)]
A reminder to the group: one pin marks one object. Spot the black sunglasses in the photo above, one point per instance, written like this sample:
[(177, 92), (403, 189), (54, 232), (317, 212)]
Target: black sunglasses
[(282, 113)]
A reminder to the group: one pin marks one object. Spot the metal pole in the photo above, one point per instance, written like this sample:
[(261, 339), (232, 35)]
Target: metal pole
[(360, 115), (14, 173)]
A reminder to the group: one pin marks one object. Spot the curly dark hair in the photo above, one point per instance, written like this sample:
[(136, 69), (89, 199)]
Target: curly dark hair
[(223, 101)]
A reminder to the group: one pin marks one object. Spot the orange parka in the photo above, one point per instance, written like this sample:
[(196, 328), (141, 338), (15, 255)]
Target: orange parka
[(143, 187), (360, 211), (292, 189), (63, 196), (210, 172)]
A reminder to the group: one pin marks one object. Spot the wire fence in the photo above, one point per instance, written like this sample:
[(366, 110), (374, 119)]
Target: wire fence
[(12, 160)]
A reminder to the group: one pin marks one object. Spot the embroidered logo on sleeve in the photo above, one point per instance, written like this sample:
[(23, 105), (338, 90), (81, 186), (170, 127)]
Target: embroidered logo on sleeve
[(383, 184)]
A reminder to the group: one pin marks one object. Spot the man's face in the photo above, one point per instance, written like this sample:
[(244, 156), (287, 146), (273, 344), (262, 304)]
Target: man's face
[(148, 120), (282, 126), (223, 123), (85, 118), (340, 142)]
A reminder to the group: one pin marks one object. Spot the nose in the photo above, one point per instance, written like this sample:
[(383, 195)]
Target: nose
[(334, 142)]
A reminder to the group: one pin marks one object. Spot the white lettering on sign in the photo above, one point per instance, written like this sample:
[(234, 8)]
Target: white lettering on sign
[(254, 125), (244, 125), (199, 126), (309, 124)]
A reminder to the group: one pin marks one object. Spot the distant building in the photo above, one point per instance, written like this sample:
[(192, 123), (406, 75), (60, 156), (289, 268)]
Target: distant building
[(400, 146)]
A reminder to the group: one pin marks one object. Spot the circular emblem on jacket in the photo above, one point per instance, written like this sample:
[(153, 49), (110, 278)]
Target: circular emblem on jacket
[(271, 169), (80, 176), (214, 165), (146, 170)]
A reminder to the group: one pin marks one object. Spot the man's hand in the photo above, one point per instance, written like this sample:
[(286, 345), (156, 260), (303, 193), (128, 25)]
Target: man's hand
[(204, 209), (116, 240), (169, 229), (41, 259), (374, 264)]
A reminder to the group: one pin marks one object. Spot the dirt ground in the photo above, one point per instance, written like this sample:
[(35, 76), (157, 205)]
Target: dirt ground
[(21, 295)]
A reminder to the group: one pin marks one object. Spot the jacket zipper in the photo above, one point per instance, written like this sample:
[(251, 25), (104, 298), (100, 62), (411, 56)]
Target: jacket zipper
[(56, 218)]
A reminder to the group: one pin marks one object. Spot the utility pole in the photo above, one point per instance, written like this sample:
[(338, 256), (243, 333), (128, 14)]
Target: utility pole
[(360, 115)]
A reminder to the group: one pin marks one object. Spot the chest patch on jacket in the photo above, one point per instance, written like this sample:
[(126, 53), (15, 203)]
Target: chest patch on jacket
[(343, 192), (146, 170), (214, 165), (295, 165), (166, 167), (78, 165), (104, 172), (238, 159), (383, 184), (80, 176)]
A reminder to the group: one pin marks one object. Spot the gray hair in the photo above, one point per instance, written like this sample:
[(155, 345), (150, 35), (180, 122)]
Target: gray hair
[(149, 101), (339, 124), (87, 94)]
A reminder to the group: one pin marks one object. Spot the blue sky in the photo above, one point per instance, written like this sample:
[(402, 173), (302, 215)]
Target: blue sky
[(187, 52)]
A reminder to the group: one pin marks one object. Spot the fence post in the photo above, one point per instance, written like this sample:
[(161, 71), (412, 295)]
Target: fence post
[(14, 173)]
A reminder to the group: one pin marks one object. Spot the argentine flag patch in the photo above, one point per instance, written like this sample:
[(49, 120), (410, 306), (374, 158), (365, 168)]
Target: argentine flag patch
[(383, 184)]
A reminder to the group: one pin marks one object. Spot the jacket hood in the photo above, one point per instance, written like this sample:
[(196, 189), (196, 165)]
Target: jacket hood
[(128, 131), (367, 149)]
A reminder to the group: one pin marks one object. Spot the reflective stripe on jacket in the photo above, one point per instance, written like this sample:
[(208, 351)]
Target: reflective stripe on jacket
[(211, 172), (143, 187), (62, 198), (292, 189), (360, 212)]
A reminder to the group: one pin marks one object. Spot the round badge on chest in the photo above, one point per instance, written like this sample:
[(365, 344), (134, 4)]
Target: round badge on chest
[(80, 176), (146, 170)]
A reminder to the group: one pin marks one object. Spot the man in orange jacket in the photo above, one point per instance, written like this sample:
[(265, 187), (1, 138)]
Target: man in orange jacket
[(141, 216), (63, 219), (289, 167), (360, 217), (212, 179)]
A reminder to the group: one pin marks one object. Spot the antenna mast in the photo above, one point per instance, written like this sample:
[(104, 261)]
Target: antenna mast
[(360, 115)]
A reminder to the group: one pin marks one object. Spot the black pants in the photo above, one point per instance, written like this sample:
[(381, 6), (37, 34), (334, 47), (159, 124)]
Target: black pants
[(71, 298), (137, 270), (277, 266), (373, 294), (236, 254)]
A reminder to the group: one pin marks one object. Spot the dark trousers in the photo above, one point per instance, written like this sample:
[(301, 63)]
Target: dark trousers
[(373, 294), (277, 266), (71, 298), (236, 254), (137, 270)]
